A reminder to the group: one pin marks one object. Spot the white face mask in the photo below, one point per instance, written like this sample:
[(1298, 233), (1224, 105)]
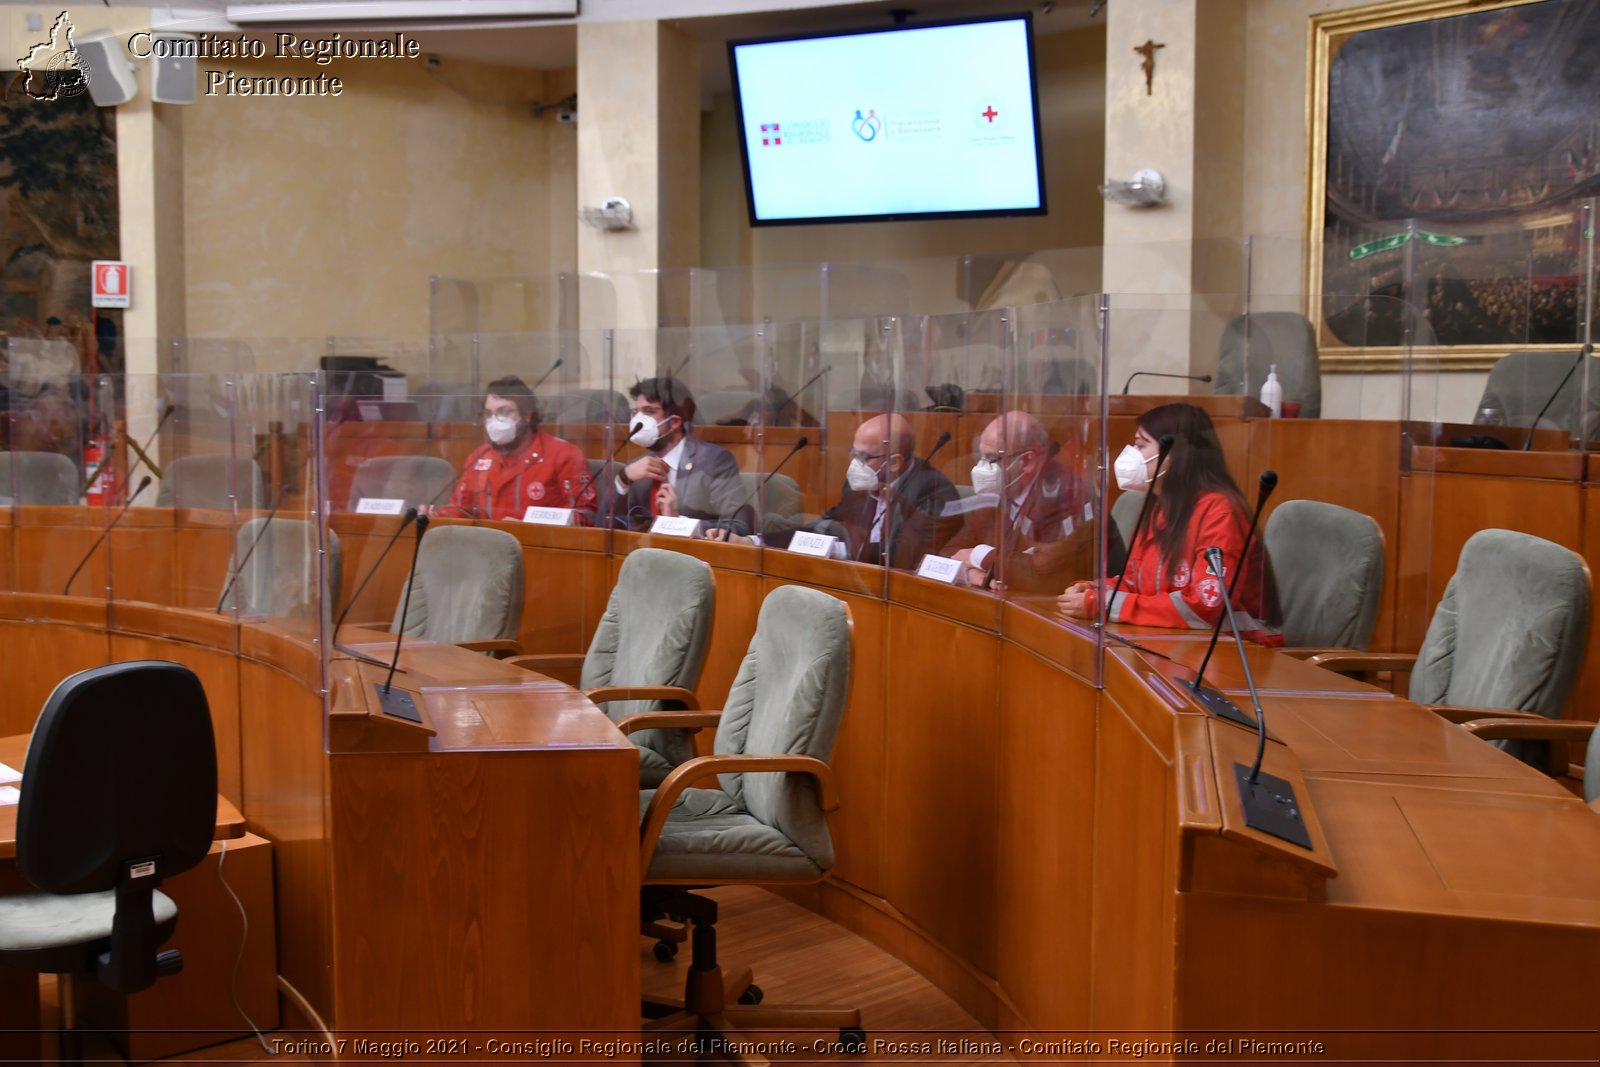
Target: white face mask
[(861, 477), (650, 432), (1132, 470), (987, 477), (502, 429)]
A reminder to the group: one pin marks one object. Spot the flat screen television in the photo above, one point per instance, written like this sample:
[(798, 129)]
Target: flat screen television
[(936, 120)]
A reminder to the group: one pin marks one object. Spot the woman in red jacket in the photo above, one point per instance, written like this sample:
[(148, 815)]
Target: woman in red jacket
[(1167, 581)]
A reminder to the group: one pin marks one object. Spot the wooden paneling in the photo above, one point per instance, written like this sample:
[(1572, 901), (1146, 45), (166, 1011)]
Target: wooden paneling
[(566, 581), (940, 780), (34, 657)]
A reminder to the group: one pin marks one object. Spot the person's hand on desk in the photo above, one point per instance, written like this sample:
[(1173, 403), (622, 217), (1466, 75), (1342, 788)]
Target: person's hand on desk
[(721, 533), (1079, 601), (976, 574)]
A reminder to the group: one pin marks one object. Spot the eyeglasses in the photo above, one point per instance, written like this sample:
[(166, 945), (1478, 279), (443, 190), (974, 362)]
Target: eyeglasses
[(867, 457), (501, 413), (1000, 457)]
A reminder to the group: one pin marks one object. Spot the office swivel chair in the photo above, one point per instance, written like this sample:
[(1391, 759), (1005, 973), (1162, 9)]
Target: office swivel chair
[(767, 823), (1327, 562), (1508, 634), (418, 480), (647, 651), (468, 590), (211, 480), (119, 791), (278, 577), (1253, 343), (39, 478)]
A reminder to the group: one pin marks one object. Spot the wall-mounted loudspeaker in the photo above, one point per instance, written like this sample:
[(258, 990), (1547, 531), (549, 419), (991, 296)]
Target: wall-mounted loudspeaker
[(106, 69), (172, 67)]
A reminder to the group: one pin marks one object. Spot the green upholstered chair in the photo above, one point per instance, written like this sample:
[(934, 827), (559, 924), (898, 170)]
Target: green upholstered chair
[(1522, 383), (1508, 634), (648, 650), (767, 823), (39, 478), (273, 570), (420, 481), (1124, 514), (1327, 562), (1532, 728), (780, 500), (211, 480), (119, 791), (1253, 343), (468, 590)]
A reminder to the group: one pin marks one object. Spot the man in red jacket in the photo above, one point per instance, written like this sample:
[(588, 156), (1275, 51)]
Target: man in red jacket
[(521, 465)]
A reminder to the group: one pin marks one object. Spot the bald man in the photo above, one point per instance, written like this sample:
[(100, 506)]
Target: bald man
[(1040, 523), (890, 499)]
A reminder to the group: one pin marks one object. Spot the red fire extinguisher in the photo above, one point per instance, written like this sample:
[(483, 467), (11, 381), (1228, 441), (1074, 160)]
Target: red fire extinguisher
[(99, 473)]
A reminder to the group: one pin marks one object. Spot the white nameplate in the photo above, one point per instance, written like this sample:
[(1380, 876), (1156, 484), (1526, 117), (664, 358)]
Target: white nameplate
[(823, 546), (675, 526), (940, 569), (548, 516), (370, 412), (379, 505)]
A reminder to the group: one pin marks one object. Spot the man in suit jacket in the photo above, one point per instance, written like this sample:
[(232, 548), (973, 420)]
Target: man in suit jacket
[(890, 498), (1040, 522), (679, 474)]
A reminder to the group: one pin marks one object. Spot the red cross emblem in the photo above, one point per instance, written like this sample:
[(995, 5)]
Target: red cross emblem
[(989, 113)]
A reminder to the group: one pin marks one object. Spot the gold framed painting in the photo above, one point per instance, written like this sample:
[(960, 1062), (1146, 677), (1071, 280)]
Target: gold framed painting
[(1454, 168)]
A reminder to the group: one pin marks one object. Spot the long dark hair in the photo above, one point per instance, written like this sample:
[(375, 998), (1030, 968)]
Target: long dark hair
[(1195, 465)]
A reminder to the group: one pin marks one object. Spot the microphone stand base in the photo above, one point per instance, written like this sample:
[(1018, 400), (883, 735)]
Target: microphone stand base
[(1269, 806), (398, 703), (1220, 706)]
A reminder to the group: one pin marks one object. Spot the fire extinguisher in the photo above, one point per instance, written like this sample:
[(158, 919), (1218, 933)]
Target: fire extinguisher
[(99, 473)]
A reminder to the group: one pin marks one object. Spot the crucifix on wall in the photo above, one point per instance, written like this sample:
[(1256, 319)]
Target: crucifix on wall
[(1148, 51)]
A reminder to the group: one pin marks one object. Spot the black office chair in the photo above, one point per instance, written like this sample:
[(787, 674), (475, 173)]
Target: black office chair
[(118, 792)]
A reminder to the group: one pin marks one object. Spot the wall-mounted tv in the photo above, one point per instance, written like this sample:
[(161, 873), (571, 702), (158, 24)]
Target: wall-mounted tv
[(936, 120)]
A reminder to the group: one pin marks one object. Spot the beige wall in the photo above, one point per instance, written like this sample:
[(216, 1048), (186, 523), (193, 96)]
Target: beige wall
[(308, 216), (1071, 109)]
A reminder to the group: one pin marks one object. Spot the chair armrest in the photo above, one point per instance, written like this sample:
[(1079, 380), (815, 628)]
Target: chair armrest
[(702, 767), (669, 720), (513, 647), (1520, 729), (1349, 662), (544, 662), (1461, 713), (602, 693)]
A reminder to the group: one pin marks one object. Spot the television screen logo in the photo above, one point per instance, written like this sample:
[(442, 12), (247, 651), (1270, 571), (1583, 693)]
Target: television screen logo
[(867, 128)]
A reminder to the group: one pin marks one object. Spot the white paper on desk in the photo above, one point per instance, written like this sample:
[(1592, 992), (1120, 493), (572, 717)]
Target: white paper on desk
[(9, 775), (9, 794), (379, 505)]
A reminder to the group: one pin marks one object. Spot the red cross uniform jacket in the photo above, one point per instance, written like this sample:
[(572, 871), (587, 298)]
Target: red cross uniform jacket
[(542, 470), (1189, 596)]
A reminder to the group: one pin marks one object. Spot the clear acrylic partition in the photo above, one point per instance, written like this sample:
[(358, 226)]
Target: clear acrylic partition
[(1051, 434), (471, 321)]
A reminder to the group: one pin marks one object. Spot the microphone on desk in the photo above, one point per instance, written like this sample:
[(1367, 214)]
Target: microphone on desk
[(726, 523), (793, 396), (398, 702), (895, 522), (1214, 701), (136, 448), (238, 569), (546, 374), (1159, 374), (411, 516), (1584, 351), (583, 486), (1268, 801), (144, 483), (1165, 447)]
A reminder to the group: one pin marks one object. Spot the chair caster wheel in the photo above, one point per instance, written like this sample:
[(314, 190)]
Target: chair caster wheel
[(665, 951), (853, 1039), (751, 995)]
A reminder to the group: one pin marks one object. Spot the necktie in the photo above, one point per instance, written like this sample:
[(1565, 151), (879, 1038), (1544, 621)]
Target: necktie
[(655, 488)]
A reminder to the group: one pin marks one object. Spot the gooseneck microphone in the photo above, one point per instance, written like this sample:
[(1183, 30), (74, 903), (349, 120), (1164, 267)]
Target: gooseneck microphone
[(1165, 446), (411, 516), (1268, 801), (138, 450), (1159, 374), (583, 486), (144, 483), (726, 522), (398, 702), (793, 396), (1584, 351), (546, 374), (898, 518), (238, 569), (1269, 482)]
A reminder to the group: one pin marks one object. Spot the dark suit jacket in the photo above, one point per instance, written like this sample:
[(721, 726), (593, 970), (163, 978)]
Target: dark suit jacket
[(709, 487), (919, 496), (1052, 540)]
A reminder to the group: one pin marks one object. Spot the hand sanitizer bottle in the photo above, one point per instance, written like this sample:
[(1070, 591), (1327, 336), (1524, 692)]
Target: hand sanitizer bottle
[(1272, 393)]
